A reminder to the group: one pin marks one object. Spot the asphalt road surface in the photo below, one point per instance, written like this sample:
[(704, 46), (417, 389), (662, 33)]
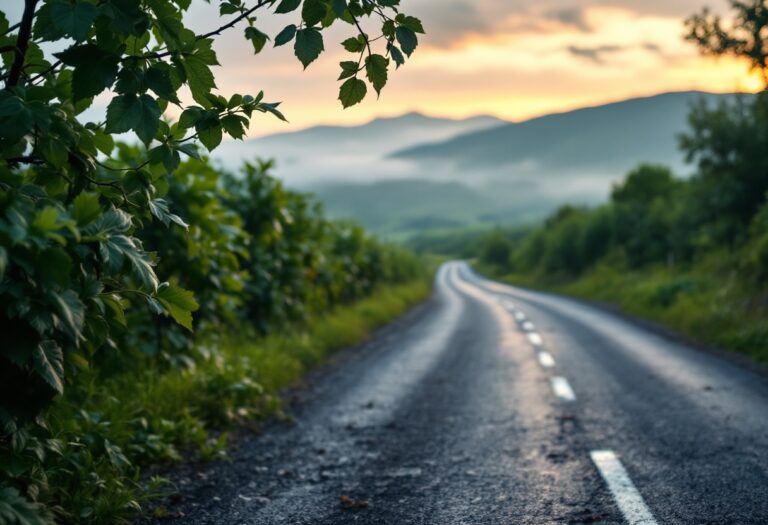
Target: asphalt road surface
[(491, 404)]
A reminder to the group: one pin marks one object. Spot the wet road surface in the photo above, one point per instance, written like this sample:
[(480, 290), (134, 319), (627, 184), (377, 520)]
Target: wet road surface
[(495, 405)]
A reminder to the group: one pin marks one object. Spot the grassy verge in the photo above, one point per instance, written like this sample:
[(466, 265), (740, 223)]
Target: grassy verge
[(707, 303), (107, 428)]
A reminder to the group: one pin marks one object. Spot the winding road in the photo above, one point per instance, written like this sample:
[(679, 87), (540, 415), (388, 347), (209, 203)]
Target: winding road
[(494, 405)]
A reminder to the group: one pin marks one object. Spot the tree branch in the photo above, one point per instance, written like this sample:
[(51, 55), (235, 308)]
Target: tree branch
[(22, 42)]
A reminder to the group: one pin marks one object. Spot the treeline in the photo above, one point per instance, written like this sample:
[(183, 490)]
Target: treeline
[(144, 373), (691, 251)]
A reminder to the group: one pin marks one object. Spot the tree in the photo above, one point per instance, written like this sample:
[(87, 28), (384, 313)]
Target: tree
[(71, 256), (729, 142), (745, 38)]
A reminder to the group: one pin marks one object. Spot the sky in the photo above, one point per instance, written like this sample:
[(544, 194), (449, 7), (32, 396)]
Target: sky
[(514, 59), (511, 58)]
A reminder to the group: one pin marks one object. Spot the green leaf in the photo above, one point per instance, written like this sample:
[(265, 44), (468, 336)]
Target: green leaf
[(148, 120), (188, 148), (396, 55), (48, 360), (16, 509), (16, 119), (118, 310), (199, 78), (180, 303), (129, 112), (122, 113), (313, 11), (308, 45), (339, 6), (376, 71), (158, 79), (69, 311), (233, 125), (348, 69), (407, 39), (73, 19), (286, 6), (94, 69), (159, 208), (352, 91), (86, 208), (286, 35), (257, 38), (190, 116), (354, 45), (103, 141), (210, 137), (411, 22)]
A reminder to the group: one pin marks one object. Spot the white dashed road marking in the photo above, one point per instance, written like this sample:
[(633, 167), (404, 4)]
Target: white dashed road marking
[(546, 360), (562, 388), (627, 497), (528, 326), (535, 339), (520, 316)]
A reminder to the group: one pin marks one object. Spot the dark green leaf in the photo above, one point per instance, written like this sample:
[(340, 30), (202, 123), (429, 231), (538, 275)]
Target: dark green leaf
[(94, 69), (396, 55), (313, 11), (159, 208), (286, 6), (70, 312), (407, 39), (158, 79), (308, 45), (286, 35), (180, 304), (233, 125), (354, 45), (210, 137), (86, 208), (339, 6), (376, 71), (257, 38), (348, 69), (73, 19), (200, 79), (411, 22), (352, 91)]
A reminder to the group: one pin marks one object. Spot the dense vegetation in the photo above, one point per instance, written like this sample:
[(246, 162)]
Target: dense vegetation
[(121, 265), (691, 253)]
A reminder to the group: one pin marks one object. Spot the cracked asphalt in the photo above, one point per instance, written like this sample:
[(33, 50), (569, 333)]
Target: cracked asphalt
[(450, 416)]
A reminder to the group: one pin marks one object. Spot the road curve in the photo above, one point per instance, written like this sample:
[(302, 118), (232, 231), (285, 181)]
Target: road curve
[(495, 405)]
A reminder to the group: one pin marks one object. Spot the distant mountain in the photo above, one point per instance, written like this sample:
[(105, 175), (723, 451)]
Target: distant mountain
[(333, 153), (603, 141), (414, 173)]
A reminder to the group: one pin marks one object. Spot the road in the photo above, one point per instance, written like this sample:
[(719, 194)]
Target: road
[(495, 405)]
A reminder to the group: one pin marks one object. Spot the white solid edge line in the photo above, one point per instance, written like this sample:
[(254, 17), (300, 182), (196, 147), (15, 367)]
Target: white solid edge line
[(535, 338), (562, 388), (546, 360), (628, 499)]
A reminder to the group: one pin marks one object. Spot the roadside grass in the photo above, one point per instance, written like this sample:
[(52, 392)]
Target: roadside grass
[(107, 428), (708, 302)]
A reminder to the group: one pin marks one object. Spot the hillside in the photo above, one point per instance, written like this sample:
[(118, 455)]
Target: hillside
[(608, 139)]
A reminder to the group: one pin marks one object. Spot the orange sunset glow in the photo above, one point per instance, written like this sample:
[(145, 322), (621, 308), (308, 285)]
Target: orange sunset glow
[(534, 59)]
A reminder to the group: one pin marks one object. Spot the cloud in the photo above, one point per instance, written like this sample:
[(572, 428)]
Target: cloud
[(594, 54), (571, 16)]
